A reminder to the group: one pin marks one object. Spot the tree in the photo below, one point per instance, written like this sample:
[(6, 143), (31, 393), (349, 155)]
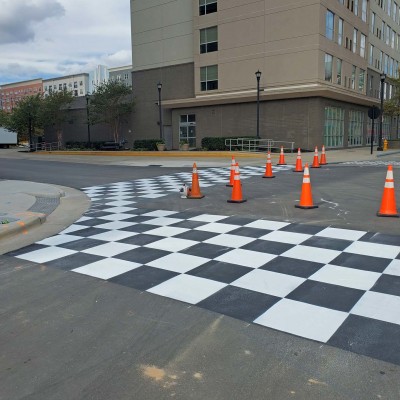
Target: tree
[(109, 104), (391, 107), (24, 119), (53, 111)]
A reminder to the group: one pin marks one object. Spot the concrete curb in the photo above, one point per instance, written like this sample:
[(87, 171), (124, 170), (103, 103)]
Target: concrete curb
[(157, 154), (25, 221)]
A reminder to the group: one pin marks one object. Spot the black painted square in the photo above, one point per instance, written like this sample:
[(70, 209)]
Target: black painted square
[(292, 266), (389, 284), (268, 246), (142, 255), (358, 261)]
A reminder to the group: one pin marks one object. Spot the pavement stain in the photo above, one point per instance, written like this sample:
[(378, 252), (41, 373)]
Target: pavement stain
[(316, 382)]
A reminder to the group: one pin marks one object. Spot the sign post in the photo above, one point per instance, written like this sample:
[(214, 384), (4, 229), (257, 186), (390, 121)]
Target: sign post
[(374, 112)]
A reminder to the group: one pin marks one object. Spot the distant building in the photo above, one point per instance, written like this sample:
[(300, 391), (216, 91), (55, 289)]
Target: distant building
[(77, 84), (98, 76), (121, 74), (12, 93)]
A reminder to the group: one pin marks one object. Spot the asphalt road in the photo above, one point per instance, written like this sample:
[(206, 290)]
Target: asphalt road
[(67, 336)]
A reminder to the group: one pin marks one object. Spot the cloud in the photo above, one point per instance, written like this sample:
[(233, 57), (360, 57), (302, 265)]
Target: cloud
[(18, 18), (64, 37)]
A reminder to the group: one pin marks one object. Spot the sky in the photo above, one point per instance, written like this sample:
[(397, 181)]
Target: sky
[(51, 38)]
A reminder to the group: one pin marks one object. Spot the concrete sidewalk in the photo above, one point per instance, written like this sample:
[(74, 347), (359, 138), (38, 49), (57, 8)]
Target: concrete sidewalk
[(25, 206)]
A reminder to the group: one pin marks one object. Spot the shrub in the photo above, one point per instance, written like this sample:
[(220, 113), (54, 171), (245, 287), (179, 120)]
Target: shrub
[(146, 144), (84, 145)]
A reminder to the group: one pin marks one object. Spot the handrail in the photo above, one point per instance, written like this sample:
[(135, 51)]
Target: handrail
[(246, 144), (46, 146)]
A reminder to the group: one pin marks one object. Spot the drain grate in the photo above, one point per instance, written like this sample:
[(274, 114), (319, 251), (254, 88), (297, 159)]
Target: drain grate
[(45, 205)]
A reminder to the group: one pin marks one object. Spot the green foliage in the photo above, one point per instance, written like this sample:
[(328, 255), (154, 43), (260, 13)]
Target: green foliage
[(84, 145), (146, 144), (218, 143), (109, 104), (54, 108), (25, 115), (4, 118), (392, 106)]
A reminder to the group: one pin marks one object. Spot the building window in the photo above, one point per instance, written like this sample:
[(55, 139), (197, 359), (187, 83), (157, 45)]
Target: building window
[(126, 77), (187, 129), (371, 55), (340, 32), (329, 24), (208, 40), (207, 6), (356, 128), (353, 77), (334, 127), (338, 71), (363, 40), (386, 64), (361, 80), (364, 10), (373, 19), (355, 33), (356, 7), (75, 85), (328, 67), (389, 7), (209, 77)]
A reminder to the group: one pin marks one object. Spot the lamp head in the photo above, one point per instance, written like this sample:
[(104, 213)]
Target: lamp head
[(159, 85), (383, 77), (258, 74)]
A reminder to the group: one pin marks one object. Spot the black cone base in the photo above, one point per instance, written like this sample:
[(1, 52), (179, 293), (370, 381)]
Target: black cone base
[(305, 207), (387, 215), (273, 176), (236, 201)]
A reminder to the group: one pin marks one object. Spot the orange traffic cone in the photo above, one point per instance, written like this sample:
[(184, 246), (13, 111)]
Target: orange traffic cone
[(315, 163), (299, 164), (268, 168), (388, 205), (194, 191), (281, 158), (306, 195), (322, 161), (232, 176), (237, 196)]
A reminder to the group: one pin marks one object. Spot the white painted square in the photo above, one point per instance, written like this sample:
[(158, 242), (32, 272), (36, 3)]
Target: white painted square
[(171, 244), (302, 319), (82, 219), (217, 227), (159, 213), (393, 268), (118, 210), (117, 217), (247, 258), (347, 277), (373, 249), (113, 235), (73, 228), (152, 196), (107, 268), (59, 239), (345, 234), (384, 307), (115, 225), (266, 224), (166, 231), (178, 262), (286, 237), (190, 289), (315, 254), (110, 249), (47, 254), (163, 221), (207, 218), (227, 240), (119, 203), (268, 282)]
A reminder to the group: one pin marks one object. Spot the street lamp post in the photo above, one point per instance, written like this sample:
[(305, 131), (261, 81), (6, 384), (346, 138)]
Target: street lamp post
[(380, 147), (159, 86), (88, 119), (30, 126), (258, 76)]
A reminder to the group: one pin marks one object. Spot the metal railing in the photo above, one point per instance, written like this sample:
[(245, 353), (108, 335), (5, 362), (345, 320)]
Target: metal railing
[(246, 144), (46, 146)]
